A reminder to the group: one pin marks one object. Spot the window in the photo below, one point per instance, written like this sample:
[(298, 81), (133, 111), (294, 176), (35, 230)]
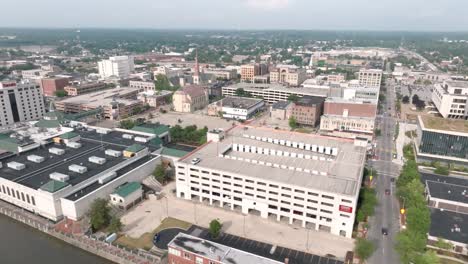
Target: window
[(327, 204), (286, 195), (174, 252), (199, 260), (346, 201), (328, 197), (273, 193), (186, 255), (286, 188)]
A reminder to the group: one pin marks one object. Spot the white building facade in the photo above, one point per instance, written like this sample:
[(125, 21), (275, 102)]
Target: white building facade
[(451, 99), (371, 78), (119, 66), (20, 102)]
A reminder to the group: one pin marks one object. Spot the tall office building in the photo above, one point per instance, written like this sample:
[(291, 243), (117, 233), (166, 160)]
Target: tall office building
[(20, 102), (119, 66), (370, 78)]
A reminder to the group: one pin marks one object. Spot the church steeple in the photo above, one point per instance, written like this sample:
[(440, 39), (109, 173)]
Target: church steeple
[(197, 67)]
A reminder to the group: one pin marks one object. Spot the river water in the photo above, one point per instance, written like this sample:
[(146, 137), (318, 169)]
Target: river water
[(20, 244)]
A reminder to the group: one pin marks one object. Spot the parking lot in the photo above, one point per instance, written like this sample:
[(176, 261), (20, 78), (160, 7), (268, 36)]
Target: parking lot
[(186, 119), (148, 215)]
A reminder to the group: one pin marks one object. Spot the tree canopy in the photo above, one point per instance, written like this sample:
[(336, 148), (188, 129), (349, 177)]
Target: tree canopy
[(99, 214), (215, 228)]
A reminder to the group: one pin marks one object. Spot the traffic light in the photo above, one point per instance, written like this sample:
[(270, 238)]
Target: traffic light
[(402, 211)]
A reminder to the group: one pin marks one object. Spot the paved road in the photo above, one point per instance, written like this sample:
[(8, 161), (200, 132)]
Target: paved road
[(386, 212)]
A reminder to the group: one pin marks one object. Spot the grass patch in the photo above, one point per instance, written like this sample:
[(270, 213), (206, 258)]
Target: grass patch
[(145, 241), (303, 130)]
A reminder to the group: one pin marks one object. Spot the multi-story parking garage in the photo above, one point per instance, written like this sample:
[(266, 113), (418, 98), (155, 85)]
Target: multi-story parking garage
[(302, 179)]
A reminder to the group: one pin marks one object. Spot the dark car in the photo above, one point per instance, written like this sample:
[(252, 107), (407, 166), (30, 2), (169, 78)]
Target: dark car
[(384, 231), (387, 191), (392, 179)]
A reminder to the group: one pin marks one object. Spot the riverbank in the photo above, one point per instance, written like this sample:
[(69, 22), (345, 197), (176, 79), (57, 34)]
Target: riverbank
[(99, 248)]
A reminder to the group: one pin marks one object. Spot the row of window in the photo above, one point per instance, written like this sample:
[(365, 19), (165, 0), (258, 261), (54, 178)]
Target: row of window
[(18, 195)]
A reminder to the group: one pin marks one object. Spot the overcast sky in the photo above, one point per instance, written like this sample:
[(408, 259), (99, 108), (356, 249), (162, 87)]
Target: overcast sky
[(430, 15)]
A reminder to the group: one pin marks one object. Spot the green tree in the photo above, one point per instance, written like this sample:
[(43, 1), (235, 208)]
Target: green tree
[(293, 98), (159, 173), (215, 228), (442, 170), (99, 214), (429, 257), (363, 248), (443, 244), (127, 124), (366, 204), (115, 225), (61, 93), (162, 83), (293, 122), (405, 99)]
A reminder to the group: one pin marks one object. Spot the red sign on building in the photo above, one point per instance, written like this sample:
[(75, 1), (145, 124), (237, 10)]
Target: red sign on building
[(346, 209)]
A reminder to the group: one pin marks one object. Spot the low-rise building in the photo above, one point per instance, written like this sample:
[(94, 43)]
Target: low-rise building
[(116, 102), (234, 107), (308, 180), (288, 74), (249, 71), (281, 110), (127, 195), (307, 110), (190, 98), (169, 72), (143, 86), (63, 176), (342, 115), (451, 99), (51, 85), (371, 78), (155, 98), (442, 140), (82, 88), (221, 73)]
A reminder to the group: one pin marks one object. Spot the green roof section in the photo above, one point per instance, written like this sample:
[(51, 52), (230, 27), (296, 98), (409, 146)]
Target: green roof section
[(69, 135), (173, 152), (127, 189), (135, 148), (7, 143), (156, 129), (48, 123), (53, 186)]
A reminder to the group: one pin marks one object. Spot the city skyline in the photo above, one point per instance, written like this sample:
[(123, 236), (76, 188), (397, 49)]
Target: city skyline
[(416, 15)]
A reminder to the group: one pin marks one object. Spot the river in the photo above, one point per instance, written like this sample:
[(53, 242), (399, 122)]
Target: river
[(21, 244)]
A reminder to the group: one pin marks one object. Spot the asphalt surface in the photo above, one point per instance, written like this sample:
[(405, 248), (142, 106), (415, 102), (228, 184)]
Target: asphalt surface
[(387, 211)]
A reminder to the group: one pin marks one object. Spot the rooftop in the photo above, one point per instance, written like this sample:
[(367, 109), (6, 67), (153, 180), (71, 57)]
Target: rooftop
[(449, 225), (127, 189), (448, 191), (310, 100), (156, 129), (215, 251), (103, 97), (291, 159), (239, 102), (281, 105), (444, 124)]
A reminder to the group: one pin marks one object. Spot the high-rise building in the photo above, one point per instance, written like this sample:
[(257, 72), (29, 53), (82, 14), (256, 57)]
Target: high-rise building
[(119, 66), (249, 71), (370, 78), (451, 99), (20, 102)]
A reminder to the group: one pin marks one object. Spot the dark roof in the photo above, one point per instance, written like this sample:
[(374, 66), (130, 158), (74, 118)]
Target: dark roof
[(448, 191), (53, 186), (310, 100), (449, 225), (194, 90), (240, 102), (156, 129), (281, 105)]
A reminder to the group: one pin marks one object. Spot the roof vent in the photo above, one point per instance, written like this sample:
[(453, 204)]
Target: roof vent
[(16, 165)]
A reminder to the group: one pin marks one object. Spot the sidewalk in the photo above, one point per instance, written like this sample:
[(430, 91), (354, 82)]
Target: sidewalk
[(402, 140), (148, 215)]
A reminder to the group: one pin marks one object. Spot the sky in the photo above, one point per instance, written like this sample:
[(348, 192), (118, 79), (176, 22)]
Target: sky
[(411, 15)]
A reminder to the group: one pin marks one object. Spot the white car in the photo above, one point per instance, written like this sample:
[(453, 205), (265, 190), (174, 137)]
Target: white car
[(195, 161)]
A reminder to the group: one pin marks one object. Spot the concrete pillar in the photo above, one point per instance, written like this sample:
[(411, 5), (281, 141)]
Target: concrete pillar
[(278, 217), (304, 223), (221, 203), (290, 220)]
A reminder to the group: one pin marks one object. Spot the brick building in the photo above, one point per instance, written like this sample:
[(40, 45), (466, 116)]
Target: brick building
[(51, 85), (307, 110)]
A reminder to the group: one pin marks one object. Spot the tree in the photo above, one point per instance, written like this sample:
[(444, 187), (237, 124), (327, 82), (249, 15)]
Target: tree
[(363, 248), (405, 99), (443, 244), (442, 170), (429, 257), (293, 122), (127, 124), (115, 225), (215, 228), (159, 173), (293, 98), (99, 214), (241, 92), (162, 83), (61, 93), (366, 204)]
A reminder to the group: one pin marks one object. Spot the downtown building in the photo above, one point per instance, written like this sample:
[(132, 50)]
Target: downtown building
[(371, 78), (60, 174), (288, 74), (118, 66), (451, 99), (305, 180), (20, 102)]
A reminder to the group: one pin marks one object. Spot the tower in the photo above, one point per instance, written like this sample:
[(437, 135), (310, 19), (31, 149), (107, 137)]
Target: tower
[(196, 74)]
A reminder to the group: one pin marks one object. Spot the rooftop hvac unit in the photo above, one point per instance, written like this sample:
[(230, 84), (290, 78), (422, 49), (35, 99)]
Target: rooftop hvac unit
[(97, 160), (77, 168), (59, 176), (102, 131), (35, 158), (328, 150), (113, 153), (107, 177), (141, 139), (334, 151), (56, 151), (16, 165), (320, 149), (127, 136), (73, 144)]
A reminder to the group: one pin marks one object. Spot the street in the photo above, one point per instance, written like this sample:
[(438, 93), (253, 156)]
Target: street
[(386, 211)]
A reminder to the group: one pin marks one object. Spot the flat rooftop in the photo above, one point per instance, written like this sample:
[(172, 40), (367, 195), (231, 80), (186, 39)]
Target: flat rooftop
[(444, 124), (250, 87), (102, 97), (446, 187), (449, 225), (340, 173), (216, 251), (458, 84), (240, 102), (34, 175)]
